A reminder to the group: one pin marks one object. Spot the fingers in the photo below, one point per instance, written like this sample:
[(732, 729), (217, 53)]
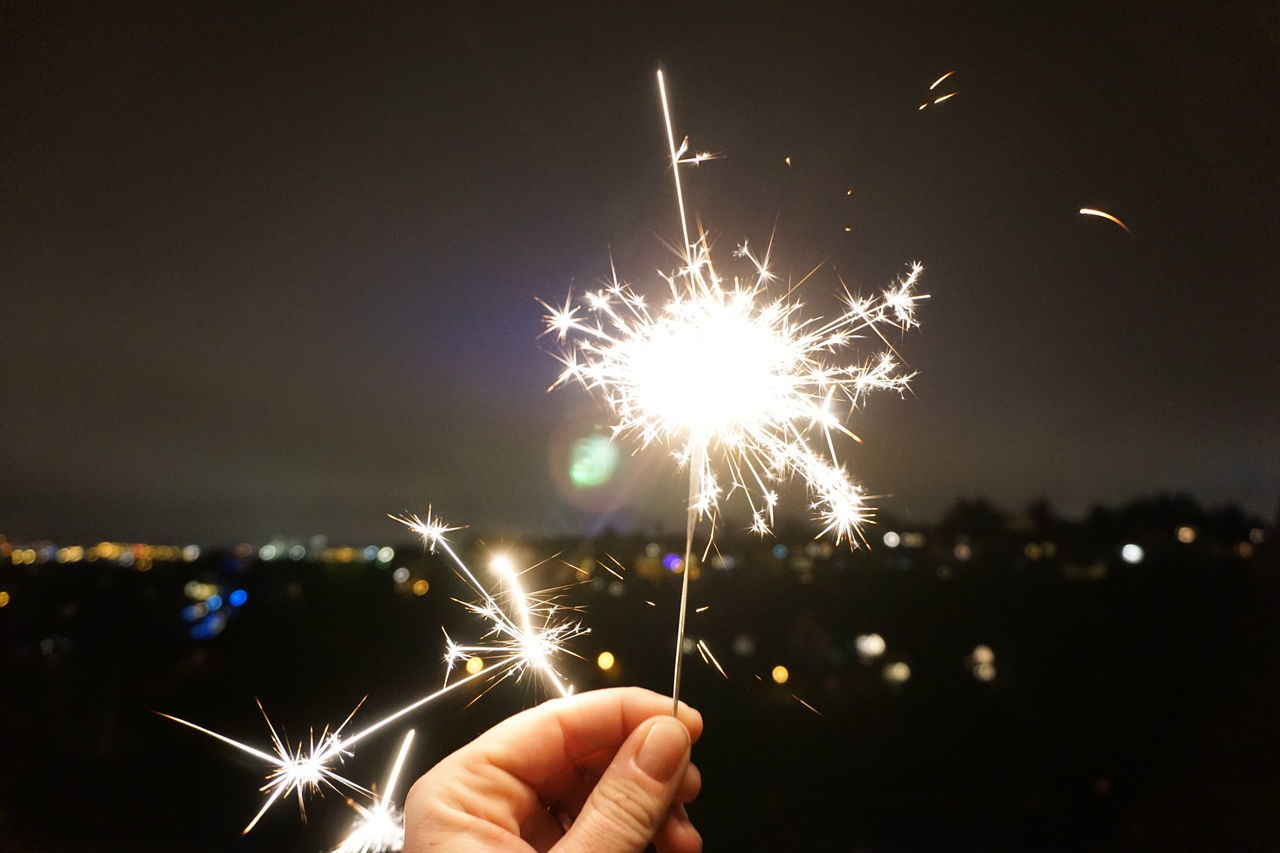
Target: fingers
[(630, 803), (529, 775), (535, 746)]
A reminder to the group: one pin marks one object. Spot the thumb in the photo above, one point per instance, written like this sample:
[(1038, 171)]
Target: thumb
[(629, 804)]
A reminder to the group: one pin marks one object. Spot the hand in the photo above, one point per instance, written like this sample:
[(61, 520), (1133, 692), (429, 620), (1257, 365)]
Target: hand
[(602, 772)]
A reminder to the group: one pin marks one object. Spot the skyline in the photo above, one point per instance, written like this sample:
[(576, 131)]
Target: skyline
[(277, 273)]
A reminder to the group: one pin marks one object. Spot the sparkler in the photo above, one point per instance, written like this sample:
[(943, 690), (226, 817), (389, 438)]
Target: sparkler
[(380, 827), (724, 372), (519, 644)]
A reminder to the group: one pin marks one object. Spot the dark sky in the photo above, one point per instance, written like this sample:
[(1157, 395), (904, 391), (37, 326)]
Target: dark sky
[(272, 268)]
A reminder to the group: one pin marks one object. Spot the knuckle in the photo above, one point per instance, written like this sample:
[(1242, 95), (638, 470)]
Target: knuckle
[(624, 807)]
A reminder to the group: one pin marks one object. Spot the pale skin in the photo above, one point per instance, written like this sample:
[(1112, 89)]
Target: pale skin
[(601, 772)]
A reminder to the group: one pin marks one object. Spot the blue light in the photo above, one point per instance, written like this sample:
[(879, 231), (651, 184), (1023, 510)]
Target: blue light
[(194, 612), (672, 562), (238, 597), (780, 551), (210, 626), (213, 602)]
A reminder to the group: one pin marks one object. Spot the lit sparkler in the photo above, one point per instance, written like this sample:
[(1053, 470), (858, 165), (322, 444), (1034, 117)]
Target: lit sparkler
[(379, 828), (723, 372), (518, 643)]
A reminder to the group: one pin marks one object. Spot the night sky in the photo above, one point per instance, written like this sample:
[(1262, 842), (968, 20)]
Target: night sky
[(273, 268)]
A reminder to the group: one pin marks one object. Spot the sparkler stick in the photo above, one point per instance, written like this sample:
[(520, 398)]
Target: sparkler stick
[(724, 369)]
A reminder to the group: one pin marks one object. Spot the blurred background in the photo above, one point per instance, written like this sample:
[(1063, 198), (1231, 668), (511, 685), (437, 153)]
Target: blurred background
[(271, 272)]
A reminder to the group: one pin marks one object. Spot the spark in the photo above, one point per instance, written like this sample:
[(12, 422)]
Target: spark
[(935, 83), (807, 705), (708, 657), (703, 609), (729, 376), (379, 828), (945, 97), (1089, 211)]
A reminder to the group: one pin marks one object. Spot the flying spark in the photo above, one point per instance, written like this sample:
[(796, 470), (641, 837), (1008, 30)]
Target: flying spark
[(945, 97), (807, 705), (1089, 211), (732, 378), (709, 658), (935, 83)]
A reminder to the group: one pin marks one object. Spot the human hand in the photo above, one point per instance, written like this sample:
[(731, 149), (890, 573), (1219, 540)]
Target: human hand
[(602, 772)]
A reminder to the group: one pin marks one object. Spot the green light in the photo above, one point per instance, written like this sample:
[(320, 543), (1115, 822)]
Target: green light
[(592, 462)]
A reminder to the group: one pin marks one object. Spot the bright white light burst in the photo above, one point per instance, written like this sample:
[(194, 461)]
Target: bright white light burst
[(724, 369)]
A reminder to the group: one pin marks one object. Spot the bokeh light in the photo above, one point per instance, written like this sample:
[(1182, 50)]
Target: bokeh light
[(780, 674), (897, 672), (4, 598), (605, 661), (474, 665), (420, 587), (1132, 553), (870, 647)]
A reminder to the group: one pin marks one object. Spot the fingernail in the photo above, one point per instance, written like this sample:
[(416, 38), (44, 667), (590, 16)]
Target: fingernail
[(664, 748)]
